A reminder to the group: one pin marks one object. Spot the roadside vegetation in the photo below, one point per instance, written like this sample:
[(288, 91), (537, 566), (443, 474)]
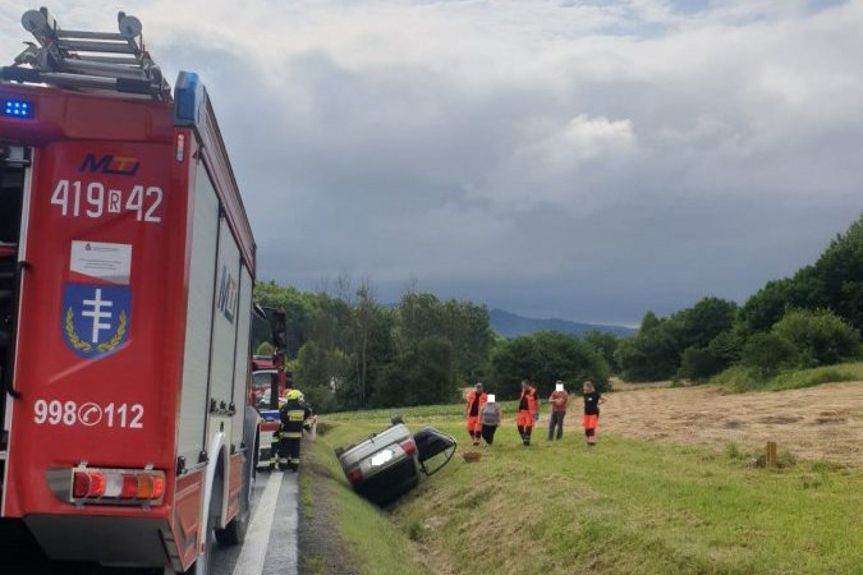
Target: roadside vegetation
[(627, 506), (741, 379), (373, 543)]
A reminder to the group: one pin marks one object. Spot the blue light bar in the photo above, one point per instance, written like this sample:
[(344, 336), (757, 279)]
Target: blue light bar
[(189, 96), (11, 108)]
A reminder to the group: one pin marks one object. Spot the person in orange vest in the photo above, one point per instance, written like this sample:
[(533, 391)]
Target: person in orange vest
[(535, 411), (592, 399), (528, 409), (476, 398)]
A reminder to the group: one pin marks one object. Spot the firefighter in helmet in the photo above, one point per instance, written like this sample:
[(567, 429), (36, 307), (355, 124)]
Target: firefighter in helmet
[(293, 415), (277, 435)]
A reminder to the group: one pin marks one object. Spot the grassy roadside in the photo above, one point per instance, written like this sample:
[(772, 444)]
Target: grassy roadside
[(414, 413), (377, 546), (627, 506), (739, 379)]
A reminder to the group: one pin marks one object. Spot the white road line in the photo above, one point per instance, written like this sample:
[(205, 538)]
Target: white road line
[(286, 557), (254, 552)]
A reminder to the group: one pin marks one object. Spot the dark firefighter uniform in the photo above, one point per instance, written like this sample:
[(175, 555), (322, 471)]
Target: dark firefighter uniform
[(293, 415), (277, 436)]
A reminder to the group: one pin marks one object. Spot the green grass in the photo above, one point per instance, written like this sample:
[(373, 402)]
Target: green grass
[(376, 544), (739, 379), (410, 413), (307, 498), (626, 506)]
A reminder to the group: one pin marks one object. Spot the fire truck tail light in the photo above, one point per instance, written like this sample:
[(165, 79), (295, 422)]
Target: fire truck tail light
[(158, 487), (130, 487), (81, 484), (145, 487), (117, 486)]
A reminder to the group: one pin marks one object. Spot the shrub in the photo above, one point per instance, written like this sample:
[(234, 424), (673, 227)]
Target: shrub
[(546, 357), (739, 379), (820, 336), (651, 356), (812, 377), (768, 353), (700, 363)]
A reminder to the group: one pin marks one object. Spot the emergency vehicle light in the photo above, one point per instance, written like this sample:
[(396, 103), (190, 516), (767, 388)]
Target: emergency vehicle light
[(16, 109), (117, 486)]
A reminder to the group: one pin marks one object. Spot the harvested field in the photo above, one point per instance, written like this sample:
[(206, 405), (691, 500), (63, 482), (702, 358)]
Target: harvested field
[(824, 422)]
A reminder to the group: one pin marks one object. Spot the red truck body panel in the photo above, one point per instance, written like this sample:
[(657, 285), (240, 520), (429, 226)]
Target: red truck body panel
[(110, 173)]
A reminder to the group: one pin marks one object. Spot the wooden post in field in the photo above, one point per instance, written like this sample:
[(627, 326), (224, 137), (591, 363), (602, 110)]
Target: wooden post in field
[(770, 460)]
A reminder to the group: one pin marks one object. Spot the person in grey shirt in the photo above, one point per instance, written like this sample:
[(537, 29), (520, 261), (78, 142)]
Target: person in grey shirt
[(489, 417)]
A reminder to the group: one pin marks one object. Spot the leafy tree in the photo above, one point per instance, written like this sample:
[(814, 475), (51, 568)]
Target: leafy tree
[(820, 336), (297, 306), (606, 344), (656, 352), (544, 358), (649, 322), (650, 356), (768, 353), (834, 282), (351, 352), (700, 363), (698, 325), (422, 375), (513, 361)]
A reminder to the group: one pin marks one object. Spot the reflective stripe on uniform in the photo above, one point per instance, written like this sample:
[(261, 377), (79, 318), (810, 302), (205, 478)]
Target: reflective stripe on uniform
[(297, 415)]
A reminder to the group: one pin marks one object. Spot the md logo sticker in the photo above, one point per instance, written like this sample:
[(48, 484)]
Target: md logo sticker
[(96, 318)]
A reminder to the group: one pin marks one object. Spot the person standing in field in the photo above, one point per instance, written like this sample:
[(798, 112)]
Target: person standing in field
[(489, 417), (559, 400), (592, 399), (527, 412), (476, 398)]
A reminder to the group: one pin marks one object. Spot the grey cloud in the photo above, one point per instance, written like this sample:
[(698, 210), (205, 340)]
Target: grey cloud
[(590, 161)]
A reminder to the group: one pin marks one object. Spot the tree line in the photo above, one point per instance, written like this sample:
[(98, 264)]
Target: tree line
[(348, 351), (810, 319), (345, 350)]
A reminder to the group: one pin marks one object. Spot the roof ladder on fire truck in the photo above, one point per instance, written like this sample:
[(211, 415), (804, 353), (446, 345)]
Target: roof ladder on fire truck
[(76, 59)]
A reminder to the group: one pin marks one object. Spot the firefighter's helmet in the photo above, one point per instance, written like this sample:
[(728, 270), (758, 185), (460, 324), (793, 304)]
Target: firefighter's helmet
[(293, 394)]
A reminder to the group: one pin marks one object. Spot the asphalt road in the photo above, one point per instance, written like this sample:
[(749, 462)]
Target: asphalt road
[(271, 542), (270, 547)]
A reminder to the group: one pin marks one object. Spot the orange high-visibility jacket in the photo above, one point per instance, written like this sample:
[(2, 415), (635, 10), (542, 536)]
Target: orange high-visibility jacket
[(532, 406), (472, 396)]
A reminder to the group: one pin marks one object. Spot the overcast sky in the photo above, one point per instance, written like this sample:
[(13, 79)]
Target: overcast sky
[(581, 159)]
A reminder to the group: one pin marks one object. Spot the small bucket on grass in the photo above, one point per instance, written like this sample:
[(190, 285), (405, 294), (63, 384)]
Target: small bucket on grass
[(471, 456)]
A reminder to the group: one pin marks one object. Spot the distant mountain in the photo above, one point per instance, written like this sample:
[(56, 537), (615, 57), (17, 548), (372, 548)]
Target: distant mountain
[(512, 325)]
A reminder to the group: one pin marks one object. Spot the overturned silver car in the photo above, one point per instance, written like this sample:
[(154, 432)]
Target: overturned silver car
[(388, 464)]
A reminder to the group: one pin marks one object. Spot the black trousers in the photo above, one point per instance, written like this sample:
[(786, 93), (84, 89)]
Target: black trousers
[(556, 421), (274, 449), (488, 433), (525, 433), (289, 452)]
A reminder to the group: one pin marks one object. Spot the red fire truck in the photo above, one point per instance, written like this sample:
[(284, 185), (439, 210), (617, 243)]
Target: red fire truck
[(126, 272)]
